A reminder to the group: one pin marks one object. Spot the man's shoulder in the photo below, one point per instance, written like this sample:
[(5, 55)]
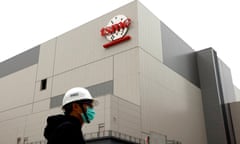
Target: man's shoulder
[(66, 124), (56, 118), (52, 123), (70, 123)]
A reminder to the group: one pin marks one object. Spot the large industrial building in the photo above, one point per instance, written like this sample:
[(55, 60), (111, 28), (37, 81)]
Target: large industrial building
[(150, 85)]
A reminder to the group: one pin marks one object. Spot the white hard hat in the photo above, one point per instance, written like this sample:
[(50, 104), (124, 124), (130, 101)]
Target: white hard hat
[(76, 94)]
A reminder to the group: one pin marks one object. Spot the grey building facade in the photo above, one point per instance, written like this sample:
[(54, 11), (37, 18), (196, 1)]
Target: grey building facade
[(149, 84)]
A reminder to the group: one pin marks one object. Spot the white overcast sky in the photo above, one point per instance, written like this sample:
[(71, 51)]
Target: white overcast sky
[(201, 23)]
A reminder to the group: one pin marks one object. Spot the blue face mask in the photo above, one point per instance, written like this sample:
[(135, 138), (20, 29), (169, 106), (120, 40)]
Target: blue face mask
[(90, 114)]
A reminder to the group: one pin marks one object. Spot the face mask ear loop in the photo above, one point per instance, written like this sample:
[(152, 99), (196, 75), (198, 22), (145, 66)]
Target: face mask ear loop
[(84, 113)]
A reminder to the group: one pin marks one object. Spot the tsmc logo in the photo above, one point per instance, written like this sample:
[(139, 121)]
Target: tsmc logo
[(116, 30)]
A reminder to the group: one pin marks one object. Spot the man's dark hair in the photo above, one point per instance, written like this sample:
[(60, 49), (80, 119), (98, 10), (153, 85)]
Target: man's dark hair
[(68, 107)]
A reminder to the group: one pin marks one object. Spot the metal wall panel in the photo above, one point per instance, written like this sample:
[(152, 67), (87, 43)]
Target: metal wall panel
[(84, 44), (11, 130), (228, 96), (34, 126), (19, 62), (149, 32), (85, 76), (129, 118), (126, 78), (41, 106), (178, 55), (124, 116), (15, 113), (235, 112), (170, 104), (213, 101), (101, 89), (56, 101), (46, 59), (18, 88), (95, 90), (227, 83)]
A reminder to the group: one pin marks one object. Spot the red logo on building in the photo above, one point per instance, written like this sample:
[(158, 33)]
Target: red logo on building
[(116, 30)]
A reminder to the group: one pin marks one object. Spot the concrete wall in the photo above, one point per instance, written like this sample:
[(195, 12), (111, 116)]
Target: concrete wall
[(170, 104)]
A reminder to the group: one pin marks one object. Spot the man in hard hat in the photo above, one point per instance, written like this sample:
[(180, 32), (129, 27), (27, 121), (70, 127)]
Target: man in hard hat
[(78, 109)]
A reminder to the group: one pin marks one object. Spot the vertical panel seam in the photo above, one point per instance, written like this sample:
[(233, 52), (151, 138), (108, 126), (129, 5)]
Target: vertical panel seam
[(54, 62)]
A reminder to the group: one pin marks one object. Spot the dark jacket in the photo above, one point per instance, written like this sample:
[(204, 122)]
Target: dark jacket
[(63, 129)]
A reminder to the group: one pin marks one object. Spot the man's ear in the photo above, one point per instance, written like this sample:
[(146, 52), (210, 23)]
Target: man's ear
[(75, 106)]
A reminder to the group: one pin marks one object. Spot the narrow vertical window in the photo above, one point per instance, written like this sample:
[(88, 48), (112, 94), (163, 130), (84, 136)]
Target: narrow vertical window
[(43, 84), (18, 140), (25, 140)]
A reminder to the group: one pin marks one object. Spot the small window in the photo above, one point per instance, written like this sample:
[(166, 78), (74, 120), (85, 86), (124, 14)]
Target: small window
[(18, 140), (43, 84)]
